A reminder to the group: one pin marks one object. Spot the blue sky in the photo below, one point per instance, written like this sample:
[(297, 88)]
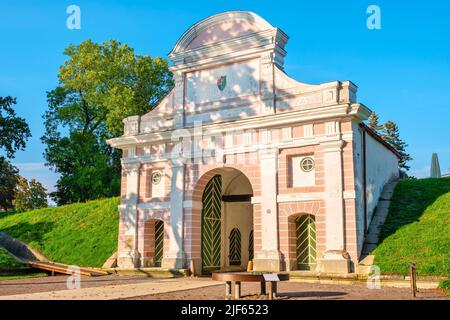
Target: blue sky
[(402, 70)]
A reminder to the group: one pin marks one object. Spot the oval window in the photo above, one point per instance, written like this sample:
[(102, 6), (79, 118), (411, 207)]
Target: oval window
[(307, 164), (156, 177)]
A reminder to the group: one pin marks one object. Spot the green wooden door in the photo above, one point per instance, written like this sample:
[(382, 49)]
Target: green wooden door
[(211, 224), (235, 247), (159, 242), (306, 242)]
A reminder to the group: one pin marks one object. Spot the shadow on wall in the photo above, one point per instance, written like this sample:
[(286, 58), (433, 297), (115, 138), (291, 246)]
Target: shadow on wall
[(241, 84), (243, 89)]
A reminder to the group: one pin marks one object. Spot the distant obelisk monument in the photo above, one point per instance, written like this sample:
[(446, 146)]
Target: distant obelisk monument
[(435, 171)]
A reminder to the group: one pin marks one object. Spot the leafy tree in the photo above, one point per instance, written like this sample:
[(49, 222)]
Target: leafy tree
[(29, 195), (99, 86), (14, 131), (9, 177), (88, 171), (374, 122), (391, 135)]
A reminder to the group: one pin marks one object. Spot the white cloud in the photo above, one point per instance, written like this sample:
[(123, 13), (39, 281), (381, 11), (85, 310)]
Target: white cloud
[(38, 171), (31, 166)]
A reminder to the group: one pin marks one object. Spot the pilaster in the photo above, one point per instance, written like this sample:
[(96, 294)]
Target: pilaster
[(175, 258), (128, 256), (269, 258), (335, 258)]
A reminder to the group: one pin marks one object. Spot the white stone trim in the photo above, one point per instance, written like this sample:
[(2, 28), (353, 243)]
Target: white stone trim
[(331, 127), (210, 21), (308, 131), (287, 133), (349, 194), (153, 206), (255, 200), (192, 204), (293, 143), (124, 207), (294, 197), (336, 111)]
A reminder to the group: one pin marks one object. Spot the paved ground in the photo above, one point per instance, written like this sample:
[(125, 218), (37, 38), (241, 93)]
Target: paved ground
[(101, 288), (33, 285), (301, 291), (144, 288)]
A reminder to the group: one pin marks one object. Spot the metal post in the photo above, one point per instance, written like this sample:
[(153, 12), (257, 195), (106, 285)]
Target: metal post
[(275, 289), (271, 290), (412, 278), (263, 287), (228, 289), (192, 268), (237, 289)]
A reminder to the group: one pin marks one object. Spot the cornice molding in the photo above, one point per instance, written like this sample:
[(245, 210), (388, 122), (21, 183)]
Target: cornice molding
[(261, 122)]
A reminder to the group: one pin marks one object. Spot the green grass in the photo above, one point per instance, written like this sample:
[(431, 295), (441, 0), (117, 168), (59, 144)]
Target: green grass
[(417, 229), (83, 234), (445, 285), (7, 261), (22, 276)]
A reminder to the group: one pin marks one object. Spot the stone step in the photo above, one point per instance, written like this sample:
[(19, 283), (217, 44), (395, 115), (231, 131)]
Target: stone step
[(150, 272), (362, 269), (305, 275), (373, 235), (367, 260)]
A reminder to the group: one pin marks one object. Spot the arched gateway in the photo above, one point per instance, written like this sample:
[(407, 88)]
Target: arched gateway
[(241, 162), (226, 221)]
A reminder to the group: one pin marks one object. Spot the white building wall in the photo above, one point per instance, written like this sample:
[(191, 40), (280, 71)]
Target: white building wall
[(381, 167), (241, 79), (359, 194)]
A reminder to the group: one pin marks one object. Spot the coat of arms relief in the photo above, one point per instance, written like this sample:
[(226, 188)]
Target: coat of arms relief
[(221, 82)]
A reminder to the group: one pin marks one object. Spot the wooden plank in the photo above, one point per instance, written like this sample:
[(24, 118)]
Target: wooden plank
[(64, 268)]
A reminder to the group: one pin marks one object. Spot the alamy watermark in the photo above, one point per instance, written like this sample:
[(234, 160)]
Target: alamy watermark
[(374, 278), (374, 20), (73, 21), (74, 280)]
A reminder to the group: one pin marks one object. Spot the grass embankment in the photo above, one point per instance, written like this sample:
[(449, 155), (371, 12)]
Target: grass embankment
[(417, 229), (10, 268), (7, 261), (83, 234)]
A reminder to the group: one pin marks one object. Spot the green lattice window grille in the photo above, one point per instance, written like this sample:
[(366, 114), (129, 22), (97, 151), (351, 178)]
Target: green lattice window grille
[(159, 242), (306, 242), (235, 247), (211, 224), (250, 246)]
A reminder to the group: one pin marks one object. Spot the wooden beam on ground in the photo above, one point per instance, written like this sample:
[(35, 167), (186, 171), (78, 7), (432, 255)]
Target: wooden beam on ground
[(65, 269)]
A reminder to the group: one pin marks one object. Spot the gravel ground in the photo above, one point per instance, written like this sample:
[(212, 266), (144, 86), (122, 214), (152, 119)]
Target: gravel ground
[(302, 291), (286, 290)]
